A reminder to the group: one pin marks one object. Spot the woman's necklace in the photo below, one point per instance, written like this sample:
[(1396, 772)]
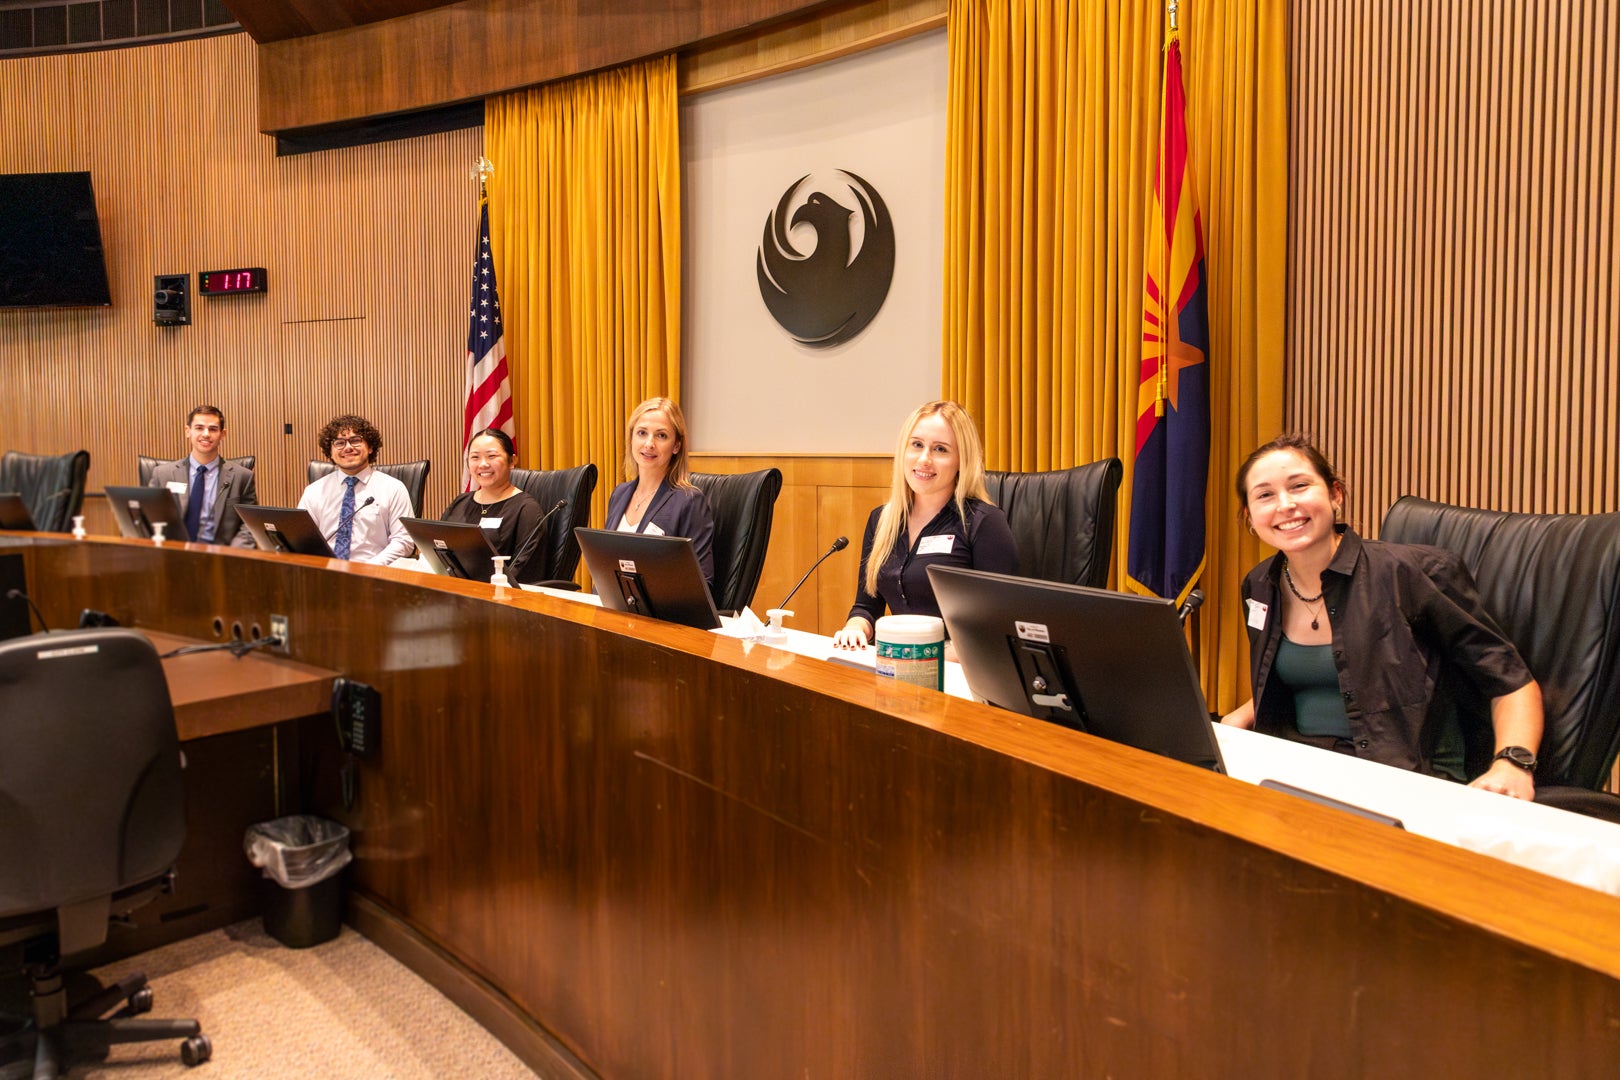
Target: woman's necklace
[(1306, 600)]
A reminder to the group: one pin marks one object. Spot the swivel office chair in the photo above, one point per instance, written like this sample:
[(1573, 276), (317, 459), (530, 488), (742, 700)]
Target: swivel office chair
[(145, 463), (1063, 521), (94, 819), (51, 484), (1552, 583), (743, 505), (559, 550), (413, 474)]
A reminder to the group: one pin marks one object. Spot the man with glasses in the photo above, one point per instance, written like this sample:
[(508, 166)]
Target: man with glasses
[(357, 508), (209, 487)]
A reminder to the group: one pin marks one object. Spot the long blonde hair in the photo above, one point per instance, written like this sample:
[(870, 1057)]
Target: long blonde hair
[(678, 473), (969, 481)]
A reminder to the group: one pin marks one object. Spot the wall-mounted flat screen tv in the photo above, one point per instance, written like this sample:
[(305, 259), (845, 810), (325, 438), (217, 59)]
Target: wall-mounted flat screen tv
[(50, 242)]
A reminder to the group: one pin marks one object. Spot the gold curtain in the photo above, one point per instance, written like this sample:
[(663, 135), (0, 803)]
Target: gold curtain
[(586, 226), (1051, 145)]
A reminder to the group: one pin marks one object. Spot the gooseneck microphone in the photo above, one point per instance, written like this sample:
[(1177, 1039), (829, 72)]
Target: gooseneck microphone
[(350, 517), (18, 594), (1194, 600), (837, 545), (520, 555)]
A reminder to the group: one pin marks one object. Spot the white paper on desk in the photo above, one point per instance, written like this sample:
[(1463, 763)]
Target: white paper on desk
[(745, 624)]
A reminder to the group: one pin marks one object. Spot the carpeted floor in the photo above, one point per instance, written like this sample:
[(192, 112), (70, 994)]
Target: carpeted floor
[(340, 1010)]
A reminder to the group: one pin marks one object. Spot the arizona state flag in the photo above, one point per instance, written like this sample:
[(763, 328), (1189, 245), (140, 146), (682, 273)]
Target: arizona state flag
[(1166, 552)]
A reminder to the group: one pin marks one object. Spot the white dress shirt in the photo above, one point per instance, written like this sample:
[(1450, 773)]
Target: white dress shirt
[(376, 533)]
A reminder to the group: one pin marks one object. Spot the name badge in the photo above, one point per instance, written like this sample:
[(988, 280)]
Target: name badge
[(1257, 614), (936, 545), (652, 530), (489, 523), (176, 486)]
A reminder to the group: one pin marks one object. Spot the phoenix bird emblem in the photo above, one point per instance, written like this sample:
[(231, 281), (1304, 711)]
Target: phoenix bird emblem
[(827, 297)]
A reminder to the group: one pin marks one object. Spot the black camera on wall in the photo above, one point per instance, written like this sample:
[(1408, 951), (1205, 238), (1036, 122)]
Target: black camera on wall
[(171, 300)]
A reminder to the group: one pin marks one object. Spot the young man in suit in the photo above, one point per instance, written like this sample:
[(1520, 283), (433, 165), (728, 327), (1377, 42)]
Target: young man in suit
[(211, 516), (359, 509)]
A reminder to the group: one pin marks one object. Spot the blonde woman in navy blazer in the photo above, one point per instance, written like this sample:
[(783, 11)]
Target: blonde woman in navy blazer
[(660, 498)]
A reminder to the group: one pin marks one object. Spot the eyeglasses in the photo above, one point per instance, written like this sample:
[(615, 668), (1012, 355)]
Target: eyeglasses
[(343, 444)]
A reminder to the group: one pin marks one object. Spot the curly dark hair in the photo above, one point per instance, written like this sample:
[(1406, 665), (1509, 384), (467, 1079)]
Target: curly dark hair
[(356, 425)]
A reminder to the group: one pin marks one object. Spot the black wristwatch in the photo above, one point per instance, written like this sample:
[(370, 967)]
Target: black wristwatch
[(1519, 756)]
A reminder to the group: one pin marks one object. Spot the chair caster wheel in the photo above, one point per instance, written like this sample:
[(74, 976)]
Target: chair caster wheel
[(141, 1001), (196, 1050)]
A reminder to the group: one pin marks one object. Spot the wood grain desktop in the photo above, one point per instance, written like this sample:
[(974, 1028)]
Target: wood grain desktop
[(635, 849)]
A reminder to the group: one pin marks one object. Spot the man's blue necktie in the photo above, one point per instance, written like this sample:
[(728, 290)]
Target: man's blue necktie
[(340, 542), (194, 501)]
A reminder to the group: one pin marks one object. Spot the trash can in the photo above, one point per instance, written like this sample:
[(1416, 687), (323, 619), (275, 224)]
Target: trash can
[(304, 856)]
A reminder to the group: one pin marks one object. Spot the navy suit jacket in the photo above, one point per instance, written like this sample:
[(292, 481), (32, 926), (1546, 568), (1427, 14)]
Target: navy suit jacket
[(676, 512), (235, 489)]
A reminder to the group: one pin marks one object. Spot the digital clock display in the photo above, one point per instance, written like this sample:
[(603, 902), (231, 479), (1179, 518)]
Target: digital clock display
[(247, 279)]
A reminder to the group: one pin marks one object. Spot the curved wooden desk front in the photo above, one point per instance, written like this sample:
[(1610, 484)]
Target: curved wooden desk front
[(641, 850)]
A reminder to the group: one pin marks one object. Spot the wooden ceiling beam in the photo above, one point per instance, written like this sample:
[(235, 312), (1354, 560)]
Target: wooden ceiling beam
[(477, 48)]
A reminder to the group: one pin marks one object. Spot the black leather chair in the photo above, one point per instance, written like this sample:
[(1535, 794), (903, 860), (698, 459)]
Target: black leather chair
[(93, 820), (144, 464), (1062, 521), (1552, 583), (51, 484), (743, 505), (413, 474), (559, 550)]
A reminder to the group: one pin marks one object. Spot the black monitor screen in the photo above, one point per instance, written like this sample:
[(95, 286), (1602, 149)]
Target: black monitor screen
[(50, 242), (452, 548), (137, 509), (649, 575), (286, 529), (14, 513), (1111, 664)]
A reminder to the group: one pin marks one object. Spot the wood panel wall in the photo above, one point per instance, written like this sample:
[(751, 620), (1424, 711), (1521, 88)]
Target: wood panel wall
[(368, 250), (1453, 294)]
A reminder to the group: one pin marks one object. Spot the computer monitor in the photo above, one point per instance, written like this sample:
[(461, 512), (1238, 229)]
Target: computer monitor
[(1114, 665), (287, 529), (649, 575), (14, 513), (452, 548), (137, 509)]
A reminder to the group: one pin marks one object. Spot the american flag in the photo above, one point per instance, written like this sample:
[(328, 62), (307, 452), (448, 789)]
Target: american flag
[(489, 387)]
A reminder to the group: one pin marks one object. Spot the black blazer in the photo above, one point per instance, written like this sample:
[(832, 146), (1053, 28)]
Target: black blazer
[(676, 512)]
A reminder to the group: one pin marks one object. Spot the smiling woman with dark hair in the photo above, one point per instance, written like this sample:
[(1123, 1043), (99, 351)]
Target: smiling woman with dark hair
[(506, 513), (1355, 643)]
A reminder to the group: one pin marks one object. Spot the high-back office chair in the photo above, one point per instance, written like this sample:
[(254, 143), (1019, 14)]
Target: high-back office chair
[(1062, 522), (1552, 583), (560, 552), (413, 474), (51, 484), (93, 820), (144, 464), (743, 505)]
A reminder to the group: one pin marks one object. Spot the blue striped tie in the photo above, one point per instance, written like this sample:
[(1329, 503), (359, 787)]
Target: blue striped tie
[(340, 542)]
